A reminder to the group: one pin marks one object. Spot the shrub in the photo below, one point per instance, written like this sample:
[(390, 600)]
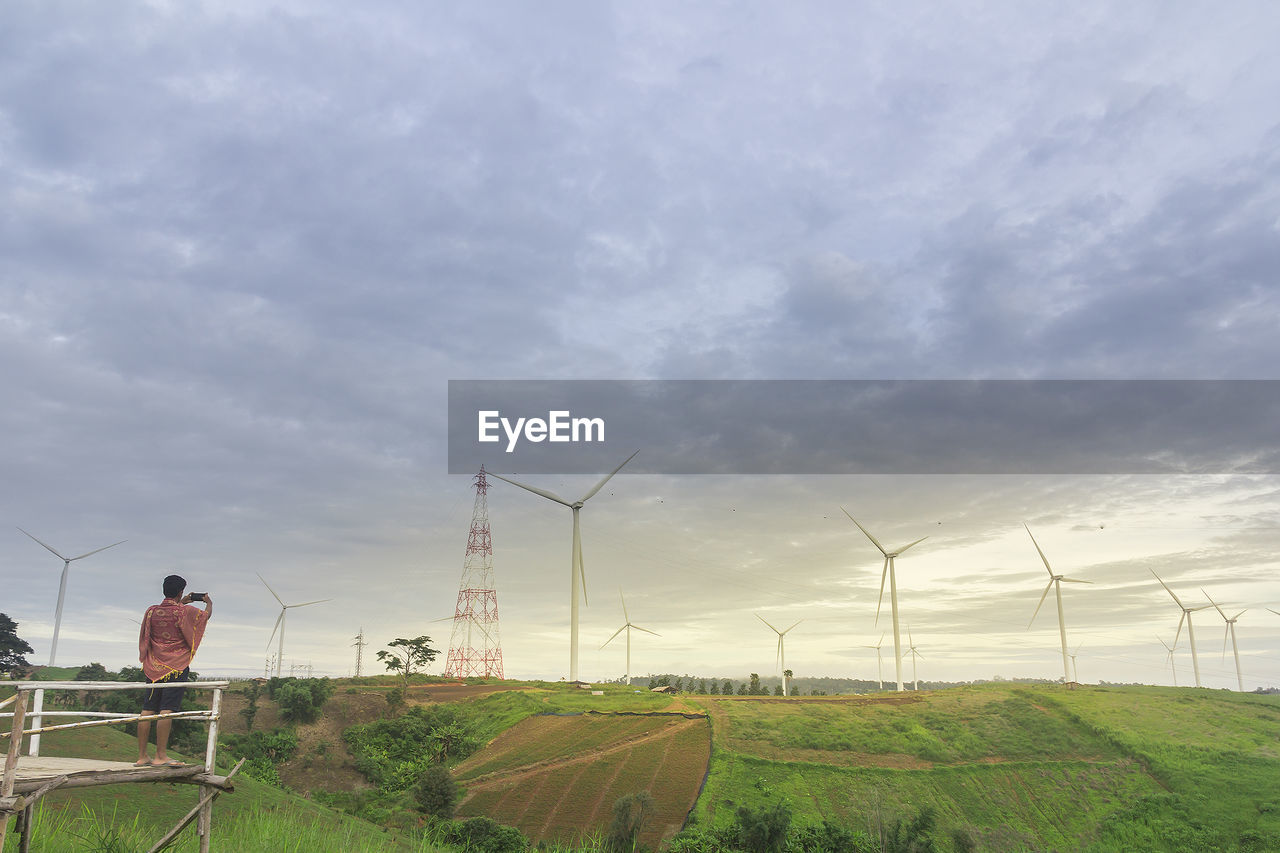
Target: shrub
[(300, 699), (763, 831), (436, 793), (629, 815), (483, 835)]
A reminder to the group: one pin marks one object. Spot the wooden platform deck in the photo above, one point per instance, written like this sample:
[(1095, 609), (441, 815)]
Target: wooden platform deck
[(34, 773)]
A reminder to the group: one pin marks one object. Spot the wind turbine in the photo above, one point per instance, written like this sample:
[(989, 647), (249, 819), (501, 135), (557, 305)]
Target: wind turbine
[(577, 579), (1055, 581), (1172, 669), (627, 626), (284, 608), (781, 661), (879, 660), (62, 586), (893, 592), (911, 647), (1075, 674), (1191, 631), (1231, 629)]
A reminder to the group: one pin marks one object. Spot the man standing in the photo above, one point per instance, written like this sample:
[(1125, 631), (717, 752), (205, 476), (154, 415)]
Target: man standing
[(171, 633)]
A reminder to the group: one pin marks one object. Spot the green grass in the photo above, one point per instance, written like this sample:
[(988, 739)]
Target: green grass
[(1016, 767)]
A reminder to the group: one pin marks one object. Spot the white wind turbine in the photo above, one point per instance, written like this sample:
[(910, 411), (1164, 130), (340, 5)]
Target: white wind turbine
[(893, 592), (627, 626), (1191, 631), (1055, 581), (1170, 649), (1075, 674), (284, 608), (62, 586), (577, 579), (1230, 630), (879, 660), (781, 660), (911, 647)]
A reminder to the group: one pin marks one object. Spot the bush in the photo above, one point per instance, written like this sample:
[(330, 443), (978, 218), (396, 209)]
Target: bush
[(763, 831), (482, 835), (436, 793), (300, 699), (629, 815)]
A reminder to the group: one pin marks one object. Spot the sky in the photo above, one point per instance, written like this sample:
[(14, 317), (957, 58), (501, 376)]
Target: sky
[(245, 247)]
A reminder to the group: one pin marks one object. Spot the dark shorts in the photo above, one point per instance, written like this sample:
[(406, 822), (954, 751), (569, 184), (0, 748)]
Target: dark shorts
[(160, 698)]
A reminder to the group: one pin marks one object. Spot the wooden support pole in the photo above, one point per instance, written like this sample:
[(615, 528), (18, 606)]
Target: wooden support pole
[(122, 718), (204, 826), (205, 802), (11, 759)]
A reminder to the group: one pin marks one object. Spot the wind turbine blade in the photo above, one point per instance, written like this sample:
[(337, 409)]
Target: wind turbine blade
[(798, 621), (1073, 580), (1047, 567), (1226, 631), (582, 569), (103, 548), (269, 589), (903, 549), (762, 619), (615, 633), (1041, 604), (600, 485), (884, 573), (47, 547), (1214, 603), (1276, 612), (543, 492), (881, 640), (625, 615), (306, 603), (1178, 633), (646, 630), (276, 628), (1238, 615), (777, 659), (873, 539), (1166, 589)]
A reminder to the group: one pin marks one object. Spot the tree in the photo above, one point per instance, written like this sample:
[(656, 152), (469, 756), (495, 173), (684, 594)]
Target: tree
[(715, 687), (12, 647), (727, 688), (777, 690), (755, 689), (436, 792), (410, 657), (93, 672), (629, 815)]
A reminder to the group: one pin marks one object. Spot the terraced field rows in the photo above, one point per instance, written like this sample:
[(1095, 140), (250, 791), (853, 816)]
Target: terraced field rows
[(557, 778)]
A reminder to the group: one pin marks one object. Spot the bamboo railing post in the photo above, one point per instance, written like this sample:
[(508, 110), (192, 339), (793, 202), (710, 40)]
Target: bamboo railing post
[(11, 758), (204, 826)]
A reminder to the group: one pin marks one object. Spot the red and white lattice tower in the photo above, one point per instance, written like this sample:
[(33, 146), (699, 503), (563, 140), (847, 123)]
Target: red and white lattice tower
[(475, 648)]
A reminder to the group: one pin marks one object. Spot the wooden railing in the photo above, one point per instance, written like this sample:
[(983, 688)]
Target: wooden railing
[(210, 784)]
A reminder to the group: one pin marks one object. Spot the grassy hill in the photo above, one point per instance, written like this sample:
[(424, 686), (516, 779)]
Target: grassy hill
[(1002, 766), (1014, 768)]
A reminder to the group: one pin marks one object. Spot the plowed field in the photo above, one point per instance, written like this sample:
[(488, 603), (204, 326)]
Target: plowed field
[(557, 777)]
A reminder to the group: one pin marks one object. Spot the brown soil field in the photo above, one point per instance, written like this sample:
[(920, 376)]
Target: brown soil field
[(553, 776)]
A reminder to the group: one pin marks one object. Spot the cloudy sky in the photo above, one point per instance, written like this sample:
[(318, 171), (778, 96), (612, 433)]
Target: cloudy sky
[(245, 246)]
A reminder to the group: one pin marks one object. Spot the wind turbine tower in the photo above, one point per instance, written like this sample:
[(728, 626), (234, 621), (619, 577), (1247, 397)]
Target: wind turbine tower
[(1055, 581), (577, 577), (1191, 631), (475, 648), (1230, 631), (627, 626), (782, 655), (879, 659), (893, 592)]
